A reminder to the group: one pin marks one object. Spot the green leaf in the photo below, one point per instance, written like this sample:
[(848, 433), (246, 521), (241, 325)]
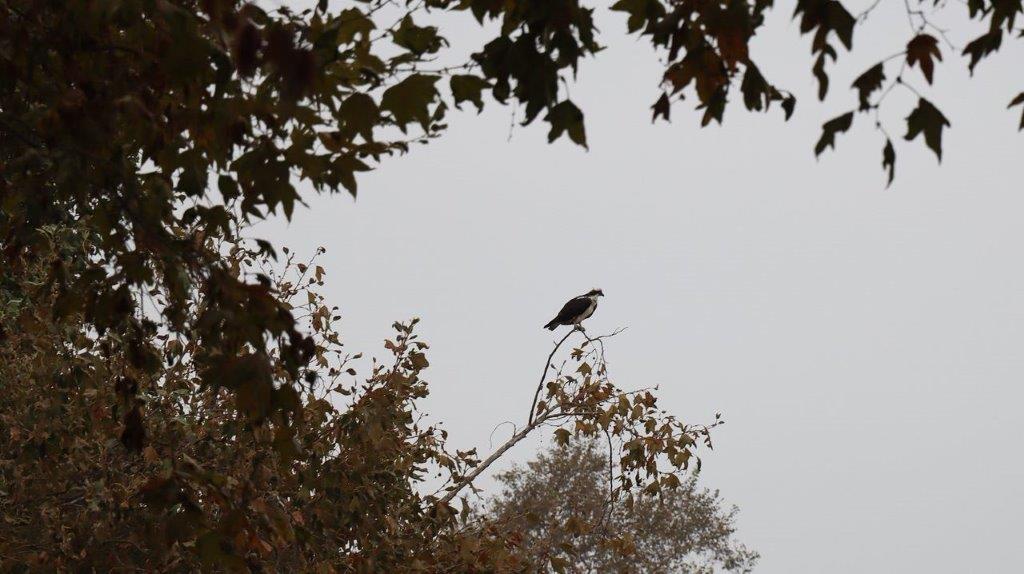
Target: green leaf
[(830, 129), (927, 119), (566, 117)]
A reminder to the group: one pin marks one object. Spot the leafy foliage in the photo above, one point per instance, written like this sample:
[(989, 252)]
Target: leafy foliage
[(214, 479), (166, 396), (560, 502), (113, 465)]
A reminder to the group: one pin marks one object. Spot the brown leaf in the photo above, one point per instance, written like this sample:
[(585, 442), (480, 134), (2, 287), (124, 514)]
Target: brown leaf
[(920, 50)]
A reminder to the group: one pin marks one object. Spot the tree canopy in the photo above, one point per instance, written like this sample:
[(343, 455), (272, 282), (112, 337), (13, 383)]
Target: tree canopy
[(169, 400), (560, 502)]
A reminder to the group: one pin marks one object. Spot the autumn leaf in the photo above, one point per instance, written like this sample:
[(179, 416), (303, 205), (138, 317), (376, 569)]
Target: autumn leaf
[(920, 51)]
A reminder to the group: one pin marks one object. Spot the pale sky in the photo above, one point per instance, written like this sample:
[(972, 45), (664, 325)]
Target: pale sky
[(862, 344)]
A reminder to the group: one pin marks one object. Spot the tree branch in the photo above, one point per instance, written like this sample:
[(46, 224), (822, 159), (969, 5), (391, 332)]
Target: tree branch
[(547, 365), (494, 456), (533, 423)]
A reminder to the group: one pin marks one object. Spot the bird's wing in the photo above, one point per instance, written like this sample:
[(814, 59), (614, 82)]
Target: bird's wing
[(573, 308)]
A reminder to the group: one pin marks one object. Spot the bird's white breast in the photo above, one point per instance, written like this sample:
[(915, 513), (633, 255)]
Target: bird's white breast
[(590, 308)]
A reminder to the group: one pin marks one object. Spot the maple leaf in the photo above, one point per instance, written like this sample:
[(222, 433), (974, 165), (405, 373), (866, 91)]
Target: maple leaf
[(920, 51), (927, 119), (408, 100)]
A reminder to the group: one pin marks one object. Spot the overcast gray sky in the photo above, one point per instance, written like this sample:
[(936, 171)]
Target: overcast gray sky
[(862, 344)]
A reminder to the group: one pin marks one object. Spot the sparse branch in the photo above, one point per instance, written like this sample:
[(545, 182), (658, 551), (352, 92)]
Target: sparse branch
[(480, 468), (552, 414), (547, 365)]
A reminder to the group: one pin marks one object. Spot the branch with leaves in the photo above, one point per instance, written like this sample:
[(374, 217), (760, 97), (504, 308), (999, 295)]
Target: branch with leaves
[(656, 448)]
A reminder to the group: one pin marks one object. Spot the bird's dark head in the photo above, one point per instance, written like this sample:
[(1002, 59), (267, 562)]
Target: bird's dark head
[(595, 293)]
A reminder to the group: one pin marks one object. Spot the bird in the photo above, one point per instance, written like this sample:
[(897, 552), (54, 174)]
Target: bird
[(576, 310)]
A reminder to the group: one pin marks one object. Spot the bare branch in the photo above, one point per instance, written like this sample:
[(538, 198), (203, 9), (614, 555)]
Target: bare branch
[(469, 478)]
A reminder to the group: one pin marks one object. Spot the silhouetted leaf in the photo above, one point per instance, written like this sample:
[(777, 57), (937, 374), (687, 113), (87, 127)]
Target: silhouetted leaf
[(755, 89), (829, 130), (927, 119), (639, 12), (1016, 102), (819, 72), (982, 46), (416, 39), (788, 105), (714, 108), (133, 436), (566, 117), (920, 50), (889, 160), (867, 83), (360, 115), (662, 108), (409, 100), (466, 87), (352, 22)]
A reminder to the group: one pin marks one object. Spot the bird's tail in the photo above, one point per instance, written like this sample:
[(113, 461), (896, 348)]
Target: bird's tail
[(551, 325)]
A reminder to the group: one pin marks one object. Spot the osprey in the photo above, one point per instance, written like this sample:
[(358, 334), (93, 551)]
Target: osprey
[(576, 310)]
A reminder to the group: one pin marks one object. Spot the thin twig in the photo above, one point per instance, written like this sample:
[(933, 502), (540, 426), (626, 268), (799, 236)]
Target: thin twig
[(490, 439)]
